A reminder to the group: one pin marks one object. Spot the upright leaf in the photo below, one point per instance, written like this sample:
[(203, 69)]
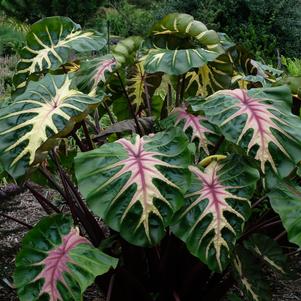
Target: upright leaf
[(48, 109), (56, 263), (260, 121), (217, 205), (136, 185), (50, 44)]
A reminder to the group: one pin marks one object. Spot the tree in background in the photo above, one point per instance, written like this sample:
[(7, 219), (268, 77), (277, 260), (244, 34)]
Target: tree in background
[(32, 10)]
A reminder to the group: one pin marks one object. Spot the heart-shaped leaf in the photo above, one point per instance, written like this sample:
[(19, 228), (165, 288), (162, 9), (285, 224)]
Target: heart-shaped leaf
[(56, 263), (47, 109), (50, 44), (136, 185), (260, 121), (217, 205)]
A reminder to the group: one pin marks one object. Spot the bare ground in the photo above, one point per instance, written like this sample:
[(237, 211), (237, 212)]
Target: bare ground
[(27, 209)]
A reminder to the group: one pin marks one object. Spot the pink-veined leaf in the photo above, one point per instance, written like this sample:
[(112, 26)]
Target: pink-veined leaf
[(197, 125), (217, 205), (56, 261), (94, 72), (260, 121), (136, 185)]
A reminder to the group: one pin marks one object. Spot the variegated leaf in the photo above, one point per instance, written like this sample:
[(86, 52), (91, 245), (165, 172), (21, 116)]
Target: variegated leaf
[(136, 185), (268, 250), (141, 85), (217, 205), (48, 109), (210, 78), (179, 60), (50, 44), (198, 126), (260, 121), (95, 72), (56, 263), (247, 273)]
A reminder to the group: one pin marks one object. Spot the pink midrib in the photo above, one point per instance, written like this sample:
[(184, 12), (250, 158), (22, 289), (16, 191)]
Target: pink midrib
[(102, 69)]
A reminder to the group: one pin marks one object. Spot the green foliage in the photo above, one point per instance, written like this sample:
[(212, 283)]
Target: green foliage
[(293, 66), (32, 11)]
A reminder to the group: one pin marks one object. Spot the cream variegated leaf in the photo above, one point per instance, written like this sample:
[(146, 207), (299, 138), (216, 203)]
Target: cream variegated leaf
[(217, 205), (136, 185), (50, 43), (48, 109), (260, 121)]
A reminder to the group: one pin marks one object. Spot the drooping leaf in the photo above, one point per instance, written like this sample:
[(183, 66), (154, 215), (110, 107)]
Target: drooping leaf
[(136, 185), (210, 78), (94, 72), (198, 126), (179, 60), (285, 199), (247, 273), (268, 250), (260, 121), (56, 263), (217, 205), (50, 44), (47, 109)]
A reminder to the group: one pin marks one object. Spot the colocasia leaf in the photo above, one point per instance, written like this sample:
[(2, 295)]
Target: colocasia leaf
[(217, 205), (50, 43), (285, 199), (136, 185), (56, 263), (268, 250), (260, 121), (47, 109), (247, 272)]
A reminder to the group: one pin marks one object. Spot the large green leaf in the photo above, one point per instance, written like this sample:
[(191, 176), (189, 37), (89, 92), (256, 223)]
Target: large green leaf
[(136, 185), (285, 199), (247, 272), (56, 263), (179, 60), (47, 109), (50, 44), (217, 205), (268, 250), (260, 121)]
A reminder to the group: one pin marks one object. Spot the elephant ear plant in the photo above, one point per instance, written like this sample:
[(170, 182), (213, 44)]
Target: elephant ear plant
[(176, 155)]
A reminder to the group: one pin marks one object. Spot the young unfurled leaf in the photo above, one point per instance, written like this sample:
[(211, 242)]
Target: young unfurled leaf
[(50, 43), (47, 109), (285, 199), (56, 263), (247, 272), (93, 72), (260, 121), (217, 205), (197, 124), (268, 250), (136, 185)]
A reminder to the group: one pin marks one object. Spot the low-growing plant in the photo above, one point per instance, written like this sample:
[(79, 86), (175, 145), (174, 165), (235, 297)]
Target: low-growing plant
[(187, 151)]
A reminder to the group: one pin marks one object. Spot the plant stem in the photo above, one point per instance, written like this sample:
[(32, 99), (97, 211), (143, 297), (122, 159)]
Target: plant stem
[(46, 204), (259, 201), (110, 289), (280, 235), (16, 220), (109, 112), (182, 88), (79, 143), (176, 296), (130, 105), (218, 144), (87, 135), (96, 121), (147, 101), (178, 91)]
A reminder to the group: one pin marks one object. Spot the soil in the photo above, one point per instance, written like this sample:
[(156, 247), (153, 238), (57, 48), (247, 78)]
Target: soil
[(26, 208)]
